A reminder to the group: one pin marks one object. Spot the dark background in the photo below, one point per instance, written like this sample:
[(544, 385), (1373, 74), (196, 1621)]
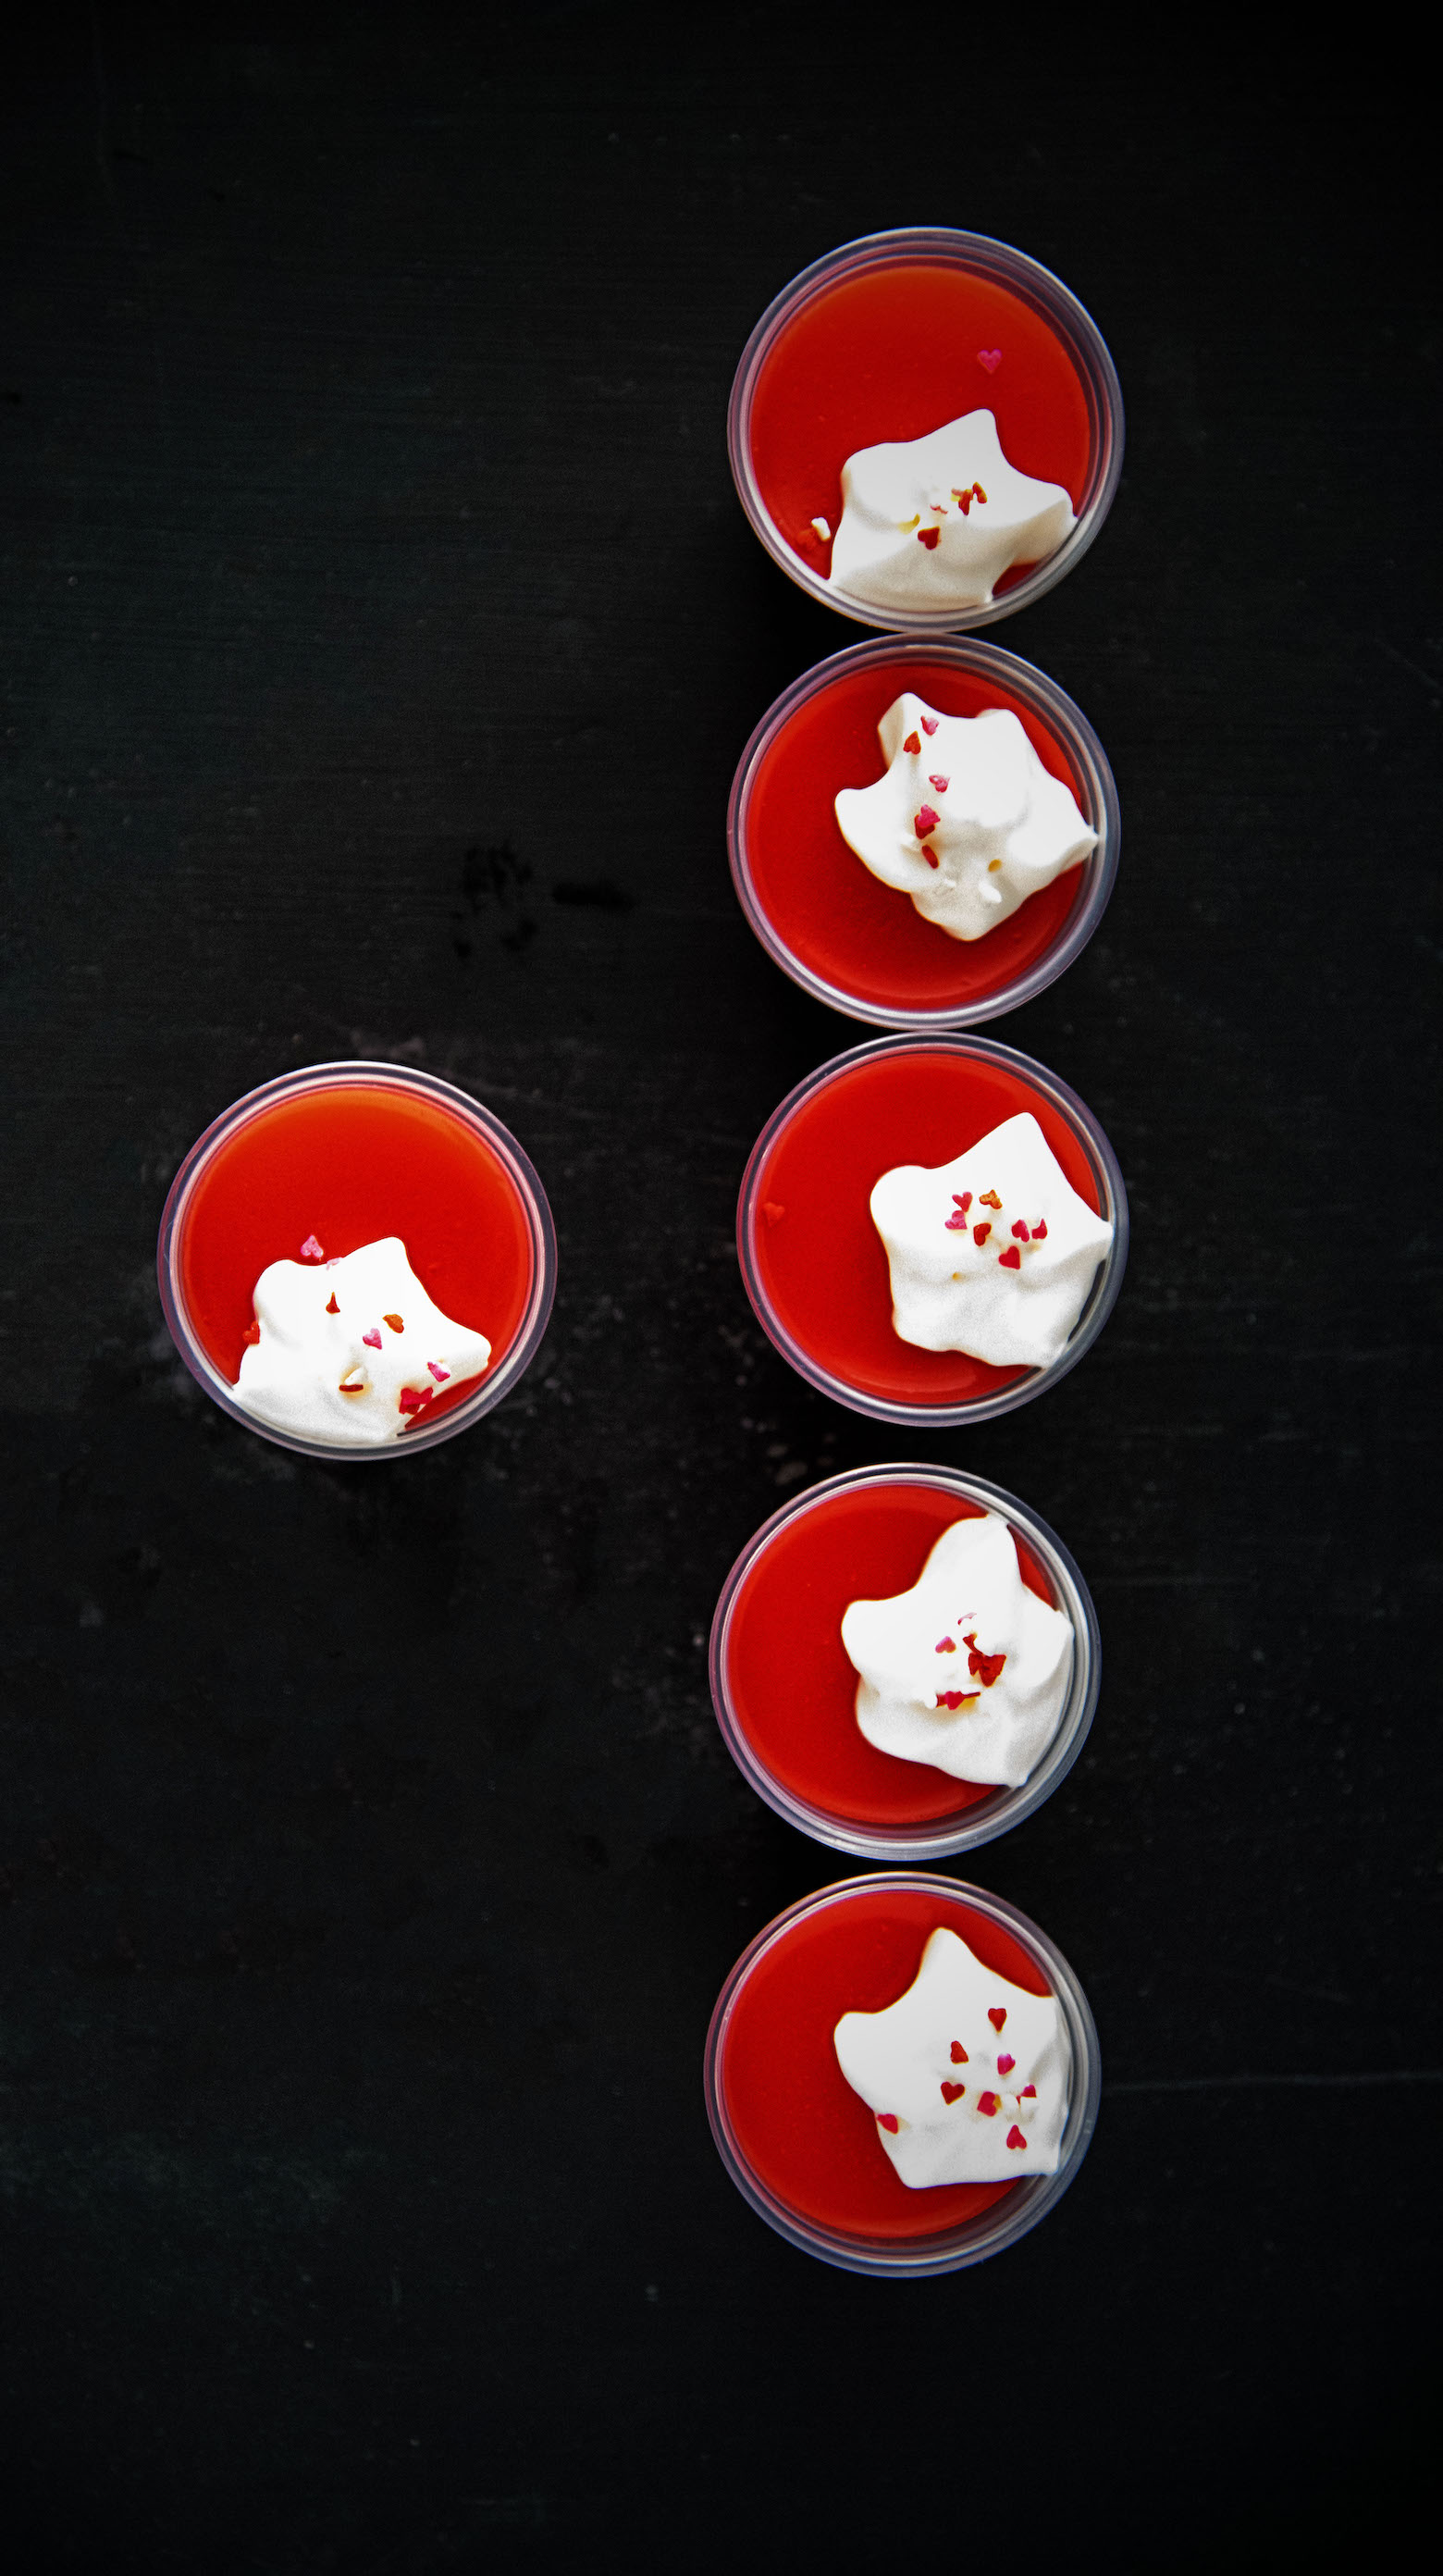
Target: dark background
[(380, 633)]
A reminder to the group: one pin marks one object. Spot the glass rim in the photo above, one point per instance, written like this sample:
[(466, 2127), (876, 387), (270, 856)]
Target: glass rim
[(934, 1838), (1101, 811), (371, 1072), (1023, 2205), (1101, 1296), (1048, 297)]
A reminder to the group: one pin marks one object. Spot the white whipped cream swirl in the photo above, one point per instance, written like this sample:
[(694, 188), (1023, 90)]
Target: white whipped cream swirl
[(352, 1351), (935, 522)]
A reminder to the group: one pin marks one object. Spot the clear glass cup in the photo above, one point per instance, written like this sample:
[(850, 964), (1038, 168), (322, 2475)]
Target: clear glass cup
[(1021, 2206), (802, 1343), (1003, 680), (502, 1149), (996, 264), (997, 1809)]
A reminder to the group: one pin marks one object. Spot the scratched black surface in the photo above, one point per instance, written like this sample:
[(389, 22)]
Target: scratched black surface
[(380, 632)]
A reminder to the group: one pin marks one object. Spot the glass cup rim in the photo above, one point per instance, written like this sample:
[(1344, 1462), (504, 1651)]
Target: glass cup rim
[(1101, 1297), (1037, 286), (1025, 2203), (1052, 706), (936, 1838), (359, 1071)]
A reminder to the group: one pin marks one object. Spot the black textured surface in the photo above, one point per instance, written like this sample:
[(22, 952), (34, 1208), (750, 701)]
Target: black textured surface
[(380, 633)]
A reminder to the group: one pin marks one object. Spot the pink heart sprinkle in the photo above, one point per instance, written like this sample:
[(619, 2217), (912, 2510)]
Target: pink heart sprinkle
[(412, 1398), (1005, 2064), (939, 783), (991, 359), (925, 821), (439, 1374), (930, 723), (373, 1338), (945, 1646), (311, 1250), (1028, 2093), (1015, 2137)]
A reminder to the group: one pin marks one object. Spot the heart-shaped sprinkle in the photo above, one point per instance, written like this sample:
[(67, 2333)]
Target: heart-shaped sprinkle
[(251, 1334), (962, 1199), (1015, 2137), (930, 723), (991, 359), (945, 1646), (439, 1373), (989, 2104), (1039, 1232), (331, 1307), (372, 1339), (1010, 1260), (930, 538), (953, 2092), (887, 2120), (773, 1211), (985, 1669), (925, 821), (1028, 2093), (939, 783), (411, 1398), (311, 1250), (1019, 1232), (1005, 2063), (912, 744), (980, 1233), (395, 1323), (990, 1199), (955, 1224), (997, 2014), (959, 2053)]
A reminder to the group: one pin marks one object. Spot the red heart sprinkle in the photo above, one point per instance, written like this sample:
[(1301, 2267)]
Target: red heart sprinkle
[(925, 821), (311, 1250), (331, 1307), (773, 1211), (985, 1668), (439, 1373), (954, 1225), (1010, 1260), (964, 502), (1015, 2137), (989, 2104), (991, 359), (997, 2014), (953, 2092), (887, 2120), (372, 1339), (1019, 1232), (911, 744), (1005, 2063), (1028, 2093), (930, 723), (945, 1646), (412, 1398), (251, 1334), (980, 1233), (962, 1199), (981, 495), (959, 2053), (931, 858), (1039, 1232), (929, 537), (939, 783)]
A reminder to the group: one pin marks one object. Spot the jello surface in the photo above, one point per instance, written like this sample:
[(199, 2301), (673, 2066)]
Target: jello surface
[(343, 1165), (819, 1259), (810, 2138)]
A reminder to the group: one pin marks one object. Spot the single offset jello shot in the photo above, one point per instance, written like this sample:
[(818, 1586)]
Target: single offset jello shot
[(926, 430), (357, 1260), (904, 1662), (924, 835), (902, 2074), (932, 1230)]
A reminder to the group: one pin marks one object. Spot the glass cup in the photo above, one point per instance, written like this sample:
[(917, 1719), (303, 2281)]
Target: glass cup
[(856, 944), (1087, 381), (859, 1361), (1010, 2211), (508, 1175), (767, 1730)]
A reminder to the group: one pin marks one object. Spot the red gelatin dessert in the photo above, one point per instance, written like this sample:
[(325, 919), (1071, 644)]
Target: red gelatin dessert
[(973, 400), (322, 1191), (814, 1262), (787, 1691), (835, 927), (823, 2161)]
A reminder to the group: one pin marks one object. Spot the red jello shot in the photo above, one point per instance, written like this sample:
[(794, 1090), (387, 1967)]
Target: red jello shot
[(890, 338), (319, 1165), (785, 1689), (814, 1264), (861, 945), (803, 2147)]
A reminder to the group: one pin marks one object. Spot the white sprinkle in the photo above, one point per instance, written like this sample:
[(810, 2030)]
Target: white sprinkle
[(823, 531)]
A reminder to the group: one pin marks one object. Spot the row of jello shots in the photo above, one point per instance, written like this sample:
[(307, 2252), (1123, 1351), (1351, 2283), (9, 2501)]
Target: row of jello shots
[(902, 2072), (358, 1259)]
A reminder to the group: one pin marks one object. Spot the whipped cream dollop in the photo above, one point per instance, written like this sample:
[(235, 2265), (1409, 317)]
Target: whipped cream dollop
[(966, 821), (350, 1351), (965, 2074), (969, 1670), (992, 1254), (935, 522)]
